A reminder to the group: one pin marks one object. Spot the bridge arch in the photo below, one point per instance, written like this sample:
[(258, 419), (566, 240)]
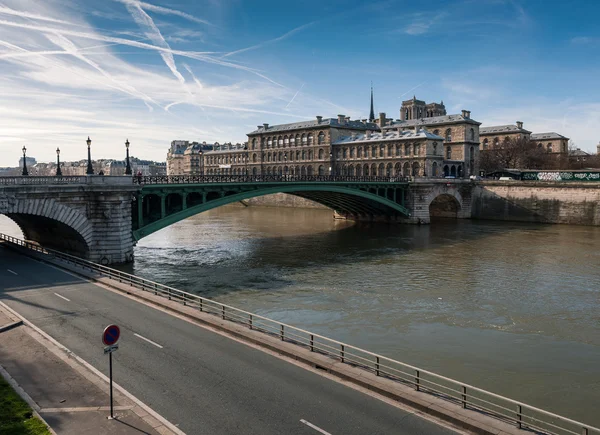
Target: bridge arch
[(445, 201), (51, 224), (368, 202)]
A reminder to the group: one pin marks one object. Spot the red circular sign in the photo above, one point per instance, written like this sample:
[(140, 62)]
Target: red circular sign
[(111, 335)]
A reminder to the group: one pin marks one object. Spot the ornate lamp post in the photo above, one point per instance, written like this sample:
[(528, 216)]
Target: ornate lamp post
[(246, 161), (58, 170), (90, 169), (128, 167), (25, 162)]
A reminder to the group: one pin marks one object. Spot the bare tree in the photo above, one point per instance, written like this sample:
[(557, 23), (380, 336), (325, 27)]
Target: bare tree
[(518, 153)]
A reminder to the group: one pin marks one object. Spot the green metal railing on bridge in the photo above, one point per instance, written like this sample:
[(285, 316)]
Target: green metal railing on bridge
[(523, 416)]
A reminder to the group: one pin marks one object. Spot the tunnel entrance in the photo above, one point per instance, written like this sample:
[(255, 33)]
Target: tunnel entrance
[(444, 207)]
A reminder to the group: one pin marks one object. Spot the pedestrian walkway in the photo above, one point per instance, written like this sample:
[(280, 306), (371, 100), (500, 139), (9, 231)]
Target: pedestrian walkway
[(69, 397)]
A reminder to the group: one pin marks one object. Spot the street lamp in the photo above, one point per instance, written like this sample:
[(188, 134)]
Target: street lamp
[(128, 167), (201, 154), (25, 162), (58, 170), (90, 169)]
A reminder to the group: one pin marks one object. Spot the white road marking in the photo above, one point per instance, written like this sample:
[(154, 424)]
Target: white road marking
[(317, 428), (14, 273), (148, 340), (62, 297)]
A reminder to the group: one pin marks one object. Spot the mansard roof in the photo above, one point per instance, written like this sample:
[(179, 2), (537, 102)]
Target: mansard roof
[(387, 136), (509, 128), (543, 136), (327, 122), (434, 120)]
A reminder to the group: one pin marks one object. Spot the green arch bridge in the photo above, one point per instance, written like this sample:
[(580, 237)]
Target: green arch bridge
[(164, 200)]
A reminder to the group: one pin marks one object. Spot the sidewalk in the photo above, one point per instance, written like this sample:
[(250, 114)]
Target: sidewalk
[(68, 396)]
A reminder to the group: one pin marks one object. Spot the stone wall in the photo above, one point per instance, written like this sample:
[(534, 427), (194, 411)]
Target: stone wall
[(547, 202)]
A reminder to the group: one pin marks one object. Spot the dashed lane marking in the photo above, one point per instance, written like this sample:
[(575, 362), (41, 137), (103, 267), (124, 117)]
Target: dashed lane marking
[(317, 428), (148, 340), (62, 297)]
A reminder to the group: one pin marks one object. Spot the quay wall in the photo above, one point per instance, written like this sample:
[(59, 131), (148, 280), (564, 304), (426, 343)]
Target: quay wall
[(544, 202)]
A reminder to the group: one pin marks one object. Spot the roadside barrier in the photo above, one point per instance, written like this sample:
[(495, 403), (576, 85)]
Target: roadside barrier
[(524, 416)]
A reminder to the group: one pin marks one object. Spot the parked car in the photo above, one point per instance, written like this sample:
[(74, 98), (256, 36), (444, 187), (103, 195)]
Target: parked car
[(452, 177), (506, 178)]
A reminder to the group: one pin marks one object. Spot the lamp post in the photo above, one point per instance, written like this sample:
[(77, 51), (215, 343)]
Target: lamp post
[(201, 154), (58, 170), (246, 161), (90, 169), (128, 166), (25, 173)]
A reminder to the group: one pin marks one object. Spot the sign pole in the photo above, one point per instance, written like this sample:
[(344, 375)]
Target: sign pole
[(111, 389)]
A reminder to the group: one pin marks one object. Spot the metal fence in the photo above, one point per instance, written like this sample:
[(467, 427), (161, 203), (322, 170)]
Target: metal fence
[(187, 179), (75, 179), (469, 397)]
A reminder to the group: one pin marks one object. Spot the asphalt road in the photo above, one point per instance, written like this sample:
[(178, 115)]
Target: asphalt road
[(203, 382)]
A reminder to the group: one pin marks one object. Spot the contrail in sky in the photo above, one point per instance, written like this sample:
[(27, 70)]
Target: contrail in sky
[(410, 90), (294, 97), (9, 11)]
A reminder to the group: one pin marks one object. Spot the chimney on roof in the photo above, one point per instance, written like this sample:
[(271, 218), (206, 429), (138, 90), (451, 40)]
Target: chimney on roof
[(466, 114), (381, 119), (319, 119), (266, 125), (347, 119), (340, 119), (519, 124)]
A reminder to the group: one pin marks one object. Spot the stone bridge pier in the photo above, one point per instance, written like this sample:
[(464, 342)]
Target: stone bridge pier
[(439, 198), (87, 216)]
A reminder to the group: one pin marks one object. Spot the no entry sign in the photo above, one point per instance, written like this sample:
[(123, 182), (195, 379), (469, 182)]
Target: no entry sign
[(111, 335)]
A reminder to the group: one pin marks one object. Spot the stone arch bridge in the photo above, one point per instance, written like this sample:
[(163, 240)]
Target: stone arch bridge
[(101, 218)]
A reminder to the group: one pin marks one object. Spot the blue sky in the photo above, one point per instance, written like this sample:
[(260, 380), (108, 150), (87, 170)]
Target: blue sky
[(212, 70)]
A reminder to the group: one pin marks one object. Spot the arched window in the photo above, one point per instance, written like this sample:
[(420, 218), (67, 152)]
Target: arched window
[(351, 170), (416, 149), (359, 152), (254, 171), (303, 154), (297, 155), (388, 170), (366, 170), (496, 142), (303, 139), (415, 169), (407, 149), (269, 142), (285, 156), (279, 141), (321, 170), (549, 147), (366, 154), (286, 141), (448, 135), (279, 157), (485, 144), (448, 153), (381, 152), (398, 169), (297, 140), (398, 150), (506, 139), (268, 157), (321, 138), (310, 155), (344, 170), (309, 170), (254, 158), (310, 138), (345, 153), (434, 169), (472, 134), (352, 152), (406, 169), (254, 143), (320, 153), (435, 148), (358, 170), (374, 151), (390, 151), (436, 132)]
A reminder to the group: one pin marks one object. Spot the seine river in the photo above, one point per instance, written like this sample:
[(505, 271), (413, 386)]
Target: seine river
[(513, 308)]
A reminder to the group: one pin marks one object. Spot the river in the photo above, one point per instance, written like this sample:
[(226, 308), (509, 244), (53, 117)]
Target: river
[(512, 308)]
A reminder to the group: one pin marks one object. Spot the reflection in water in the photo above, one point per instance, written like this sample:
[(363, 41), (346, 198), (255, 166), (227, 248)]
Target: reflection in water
[(509, 307)]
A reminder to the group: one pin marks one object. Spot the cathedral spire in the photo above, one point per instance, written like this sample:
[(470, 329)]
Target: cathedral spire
[(372, 113)]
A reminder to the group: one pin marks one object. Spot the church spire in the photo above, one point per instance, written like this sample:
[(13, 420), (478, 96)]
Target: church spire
[(372, 113)]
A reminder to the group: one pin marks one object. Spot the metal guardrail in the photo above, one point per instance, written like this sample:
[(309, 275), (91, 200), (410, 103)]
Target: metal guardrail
[(188, 179), (469, 397)]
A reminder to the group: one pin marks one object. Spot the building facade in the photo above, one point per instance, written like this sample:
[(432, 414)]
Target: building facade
[(495, 136), (552, 142)]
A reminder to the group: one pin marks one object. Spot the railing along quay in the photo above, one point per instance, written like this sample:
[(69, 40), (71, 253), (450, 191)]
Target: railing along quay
[(199, 179), (524, 416)]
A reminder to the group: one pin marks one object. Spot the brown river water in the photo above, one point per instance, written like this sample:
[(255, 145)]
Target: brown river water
[(509, 307)]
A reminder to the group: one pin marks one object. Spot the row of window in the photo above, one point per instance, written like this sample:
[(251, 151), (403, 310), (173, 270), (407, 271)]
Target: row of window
[(284, 141), (496, 142)]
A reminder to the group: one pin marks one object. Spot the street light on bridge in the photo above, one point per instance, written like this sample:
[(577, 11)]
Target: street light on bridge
[(128, 167), (24, 161), (58, 170), (90, 169)]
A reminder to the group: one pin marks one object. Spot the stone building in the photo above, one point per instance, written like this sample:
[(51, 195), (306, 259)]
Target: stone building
[(494, 136), (301, 148), (175, 163), (184, 157), (551, 142), (418, 109), (227, 158), (460, 135)]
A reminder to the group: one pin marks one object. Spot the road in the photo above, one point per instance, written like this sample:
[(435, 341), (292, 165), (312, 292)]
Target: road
[(202, 381)]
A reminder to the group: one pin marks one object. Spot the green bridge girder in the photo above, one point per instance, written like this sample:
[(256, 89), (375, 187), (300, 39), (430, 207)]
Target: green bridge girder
[(160, 205)]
